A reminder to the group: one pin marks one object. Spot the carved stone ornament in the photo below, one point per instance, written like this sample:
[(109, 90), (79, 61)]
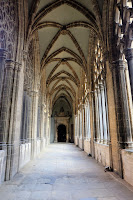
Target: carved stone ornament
[(8, 27)]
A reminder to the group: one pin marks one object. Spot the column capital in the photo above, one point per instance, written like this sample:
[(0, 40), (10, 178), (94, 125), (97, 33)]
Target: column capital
[(101, 86), (118, 64), (34, 92), (3, 53), (10, 64)]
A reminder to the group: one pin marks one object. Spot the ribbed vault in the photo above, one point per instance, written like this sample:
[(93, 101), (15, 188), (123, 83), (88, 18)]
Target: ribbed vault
[(64, 29)]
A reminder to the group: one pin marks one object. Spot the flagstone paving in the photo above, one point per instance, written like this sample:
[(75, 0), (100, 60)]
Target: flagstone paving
[(64, 172)]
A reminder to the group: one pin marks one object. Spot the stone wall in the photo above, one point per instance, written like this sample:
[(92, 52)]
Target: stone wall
[(87, 146), (2, 165), (127, 159), (102, 154), (25, 154), (25, 151)]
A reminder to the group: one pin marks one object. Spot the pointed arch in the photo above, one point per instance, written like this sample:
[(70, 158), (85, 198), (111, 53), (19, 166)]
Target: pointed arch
[(79, 7), (62, 72)]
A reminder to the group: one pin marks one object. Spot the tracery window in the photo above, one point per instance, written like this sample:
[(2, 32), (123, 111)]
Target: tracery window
[(101, 108)]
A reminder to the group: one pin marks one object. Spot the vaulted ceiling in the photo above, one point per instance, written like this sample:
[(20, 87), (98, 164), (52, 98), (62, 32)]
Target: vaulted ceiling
[(64, 28)]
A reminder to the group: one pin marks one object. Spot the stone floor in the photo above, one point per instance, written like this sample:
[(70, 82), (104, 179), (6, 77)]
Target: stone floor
[(64, 172)]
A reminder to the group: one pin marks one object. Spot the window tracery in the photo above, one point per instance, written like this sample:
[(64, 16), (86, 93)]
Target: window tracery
[(101, 107), (8, 27)]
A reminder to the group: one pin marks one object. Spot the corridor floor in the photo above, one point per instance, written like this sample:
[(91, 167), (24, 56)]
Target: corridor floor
[(64, 172)]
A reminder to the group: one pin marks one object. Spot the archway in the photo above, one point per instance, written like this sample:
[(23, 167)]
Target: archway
[(61, 133)]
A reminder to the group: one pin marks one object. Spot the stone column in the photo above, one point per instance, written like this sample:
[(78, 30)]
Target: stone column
[(104, 114), (129, 96), (129, 57), (115, 161), (80, 135), (25, 117), (75, 125), (42, 126), (46, 126), (78, 130), (55, 139), (49, 125), (93, 115), (34, 124), (30, 116), (123, 118), (45, 123), (92, 123), (82, 126), (3, 54), (6, 101), (85, 121), (100, 113), (13, 139), (97, 119)]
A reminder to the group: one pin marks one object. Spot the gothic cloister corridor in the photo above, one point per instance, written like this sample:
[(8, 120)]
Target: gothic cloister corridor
[(64, 172), (66, 75)]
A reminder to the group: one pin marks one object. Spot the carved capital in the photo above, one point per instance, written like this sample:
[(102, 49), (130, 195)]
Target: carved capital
[(3, 53), (118, 64), (10, 64)]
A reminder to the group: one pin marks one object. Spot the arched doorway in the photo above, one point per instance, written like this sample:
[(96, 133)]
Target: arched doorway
[(61, 133)]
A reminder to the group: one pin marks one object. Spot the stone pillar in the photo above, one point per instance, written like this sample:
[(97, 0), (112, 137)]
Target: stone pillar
[(25, 118), (30, 116), (42, 126), (83, 126), (115, 161), (49, 125), (97, 119), (100, 113), (46, 126), (45, 123), (3, 54), (6, 101), (129, 96), (34, 124), (129, 57), (55, 139), (13, 140), (85, 121), (80, 122), (78, 128), (123, 118), (93, 116), (92, 122), (104, 114), (75, 125)]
